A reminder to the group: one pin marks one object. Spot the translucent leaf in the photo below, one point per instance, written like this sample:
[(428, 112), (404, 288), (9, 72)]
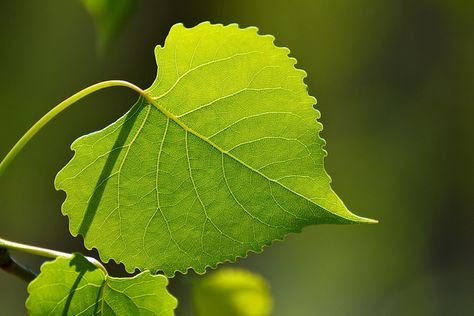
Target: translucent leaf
[(227, 159), (232, 292), (77, 287)]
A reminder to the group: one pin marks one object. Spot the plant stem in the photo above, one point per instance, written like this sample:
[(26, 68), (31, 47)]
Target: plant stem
[(43, 252), (61, 107), (8, 264)]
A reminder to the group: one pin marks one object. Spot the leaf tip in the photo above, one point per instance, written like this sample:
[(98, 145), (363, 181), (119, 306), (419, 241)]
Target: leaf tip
[(369, 221), (356, 219)]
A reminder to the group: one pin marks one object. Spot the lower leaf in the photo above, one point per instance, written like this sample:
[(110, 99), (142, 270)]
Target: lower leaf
[(77, 287)]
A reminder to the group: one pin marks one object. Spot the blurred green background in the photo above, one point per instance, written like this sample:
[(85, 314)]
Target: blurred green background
[(394, 81)]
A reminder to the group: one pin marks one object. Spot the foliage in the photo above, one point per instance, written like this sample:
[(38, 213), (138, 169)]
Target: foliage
[(166, 187), (77, 287), (109, 17), (219, 157), (232, 292)]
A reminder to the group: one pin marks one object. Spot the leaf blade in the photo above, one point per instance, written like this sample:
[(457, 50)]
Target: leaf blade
[(76, 287), (181, 170)]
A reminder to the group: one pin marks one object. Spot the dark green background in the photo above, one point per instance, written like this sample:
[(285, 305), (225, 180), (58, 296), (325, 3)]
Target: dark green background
[(395, 84)]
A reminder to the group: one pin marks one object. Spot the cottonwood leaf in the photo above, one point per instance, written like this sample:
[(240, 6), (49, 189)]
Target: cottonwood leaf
[(226, 160), (232, 292), (109, 17), (77, 287)]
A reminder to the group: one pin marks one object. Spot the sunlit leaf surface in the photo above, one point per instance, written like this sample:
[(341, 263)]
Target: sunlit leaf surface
[(226, 160), (77, 287)]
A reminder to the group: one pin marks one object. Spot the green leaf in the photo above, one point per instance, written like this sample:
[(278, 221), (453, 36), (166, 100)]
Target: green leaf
[(77, 287), (232, 292), (109, 17), (227, 159)]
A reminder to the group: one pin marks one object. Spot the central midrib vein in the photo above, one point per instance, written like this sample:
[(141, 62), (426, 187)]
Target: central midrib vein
[(175, 119)]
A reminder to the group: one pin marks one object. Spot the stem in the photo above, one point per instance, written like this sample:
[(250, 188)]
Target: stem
[(61, 107), (10, 265), (7, 263), (43, 252)]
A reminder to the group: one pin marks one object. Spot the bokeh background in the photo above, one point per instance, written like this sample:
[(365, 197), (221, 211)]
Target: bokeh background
[(395, 84)]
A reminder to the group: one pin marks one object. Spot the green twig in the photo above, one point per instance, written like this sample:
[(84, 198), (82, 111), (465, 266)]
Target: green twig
[(7, 263)]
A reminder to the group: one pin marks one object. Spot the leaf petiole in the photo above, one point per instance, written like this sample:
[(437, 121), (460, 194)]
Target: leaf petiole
[(44, 252), (61, 107), (5, 245)]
